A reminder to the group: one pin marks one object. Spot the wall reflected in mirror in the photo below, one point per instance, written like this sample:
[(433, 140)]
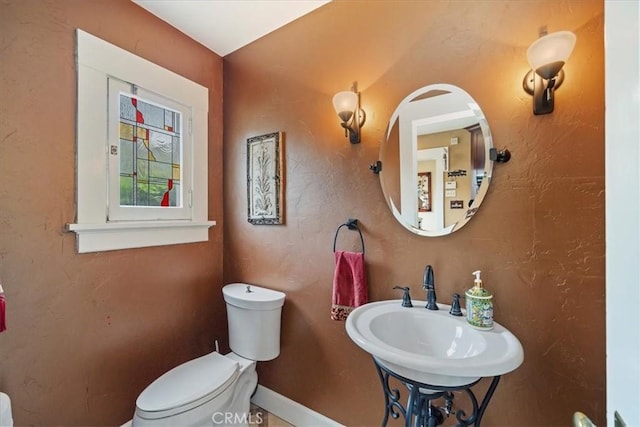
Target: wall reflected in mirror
[(436, 167)]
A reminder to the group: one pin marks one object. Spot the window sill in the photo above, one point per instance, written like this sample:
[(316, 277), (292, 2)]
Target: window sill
[(138, 234)]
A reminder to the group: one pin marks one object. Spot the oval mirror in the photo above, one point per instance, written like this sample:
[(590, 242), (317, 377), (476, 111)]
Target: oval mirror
[(436, 167)]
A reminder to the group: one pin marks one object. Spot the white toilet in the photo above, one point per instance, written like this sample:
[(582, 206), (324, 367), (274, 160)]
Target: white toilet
[(215, 389)]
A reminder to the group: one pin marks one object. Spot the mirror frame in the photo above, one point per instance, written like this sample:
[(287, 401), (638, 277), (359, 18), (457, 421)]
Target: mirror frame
[(488, 163)]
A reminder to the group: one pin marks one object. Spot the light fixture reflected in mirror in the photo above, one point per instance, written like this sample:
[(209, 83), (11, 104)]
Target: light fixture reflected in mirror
[(547, 56), (347, 105)]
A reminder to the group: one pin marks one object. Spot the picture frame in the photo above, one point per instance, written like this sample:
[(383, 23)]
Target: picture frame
[(265, 181), (456, 204), (424, 191)]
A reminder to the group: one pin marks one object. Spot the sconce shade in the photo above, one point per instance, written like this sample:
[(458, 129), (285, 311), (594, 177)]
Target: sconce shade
[(548, 54), (345, 104)]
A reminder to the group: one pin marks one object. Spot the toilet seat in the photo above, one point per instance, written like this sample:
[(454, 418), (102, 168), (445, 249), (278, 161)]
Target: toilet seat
[(187, 386)]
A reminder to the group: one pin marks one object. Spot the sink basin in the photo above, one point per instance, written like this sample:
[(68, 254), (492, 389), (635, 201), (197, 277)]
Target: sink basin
[(432, 347)]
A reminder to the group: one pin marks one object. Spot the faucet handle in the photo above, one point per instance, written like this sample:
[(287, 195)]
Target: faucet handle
[(406, 299), (455, 306)]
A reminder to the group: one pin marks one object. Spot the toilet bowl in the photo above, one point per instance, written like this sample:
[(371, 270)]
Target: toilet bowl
[(215, 389), (6, 419)]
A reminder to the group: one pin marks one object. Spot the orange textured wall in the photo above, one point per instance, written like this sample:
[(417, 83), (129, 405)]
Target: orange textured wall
[(538, 237), (86, 333)]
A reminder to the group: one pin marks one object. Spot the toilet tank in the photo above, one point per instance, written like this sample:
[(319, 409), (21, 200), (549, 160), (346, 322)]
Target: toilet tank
[(253, 315)]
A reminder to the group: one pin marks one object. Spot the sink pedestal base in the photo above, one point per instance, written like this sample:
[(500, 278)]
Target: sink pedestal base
[(420, 411)]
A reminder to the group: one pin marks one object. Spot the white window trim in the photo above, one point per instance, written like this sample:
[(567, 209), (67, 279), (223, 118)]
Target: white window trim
[(96, 60)]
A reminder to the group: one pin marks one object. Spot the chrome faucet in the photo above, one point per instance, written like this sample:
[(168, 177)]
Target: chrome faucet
[(429, 285)]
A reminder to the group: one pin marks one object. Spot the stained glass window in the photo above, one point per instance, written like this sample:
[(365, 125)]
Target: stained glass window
[(150, 153), (163, 139)]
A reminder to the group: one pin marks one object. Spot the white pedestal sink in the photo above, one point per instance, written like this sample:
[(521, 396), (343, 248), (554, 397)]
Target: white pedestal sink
[(433, 354), (432, 347)]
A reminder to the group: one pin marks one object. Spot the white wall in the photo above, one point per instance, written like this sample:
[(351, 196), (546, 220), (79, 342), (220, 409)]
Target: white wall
[(622, 138)]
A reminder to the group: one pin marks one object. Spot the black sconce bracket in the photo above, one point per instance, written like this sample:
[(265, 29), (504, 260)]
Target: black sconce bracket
[(352, 128), (352, 224), (542, 90), (500, 156), (376, 167)]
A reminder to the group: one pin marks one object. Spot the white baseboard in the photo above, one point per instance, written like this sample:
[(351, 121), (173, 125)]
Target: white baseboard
[(288, 410)]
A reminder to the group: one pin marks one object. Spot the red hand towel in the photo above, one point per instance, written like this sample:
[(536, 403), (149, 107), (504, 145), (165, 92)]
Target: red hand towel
[(3, 308), (349, 284)]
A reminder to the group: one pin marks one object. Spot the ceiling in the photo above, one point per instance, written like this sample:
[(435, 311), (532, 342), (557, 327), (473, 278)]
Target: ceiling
[(226, 25)]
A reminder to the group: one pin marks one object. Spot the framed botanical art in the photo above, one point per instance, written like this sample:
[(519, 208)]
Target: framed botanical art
[(265, 183)]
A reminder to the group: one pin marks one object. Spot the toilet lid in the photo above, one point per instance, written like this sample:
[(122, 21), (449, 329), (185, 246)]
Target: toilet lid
[(206, 376), (257, 298)]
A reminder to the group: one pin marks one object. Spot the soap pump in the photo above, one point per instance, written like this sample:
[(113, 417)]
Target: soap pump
[(479, 305)]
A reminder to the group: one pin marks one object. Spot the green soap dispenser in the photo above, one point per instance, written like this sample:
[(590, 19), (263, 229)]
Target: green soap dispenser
[(479, 305)]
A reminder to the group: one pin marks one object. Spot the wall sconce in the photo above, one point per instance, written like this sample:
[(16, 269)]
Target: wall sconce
[(547, 56), (347, 105)]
